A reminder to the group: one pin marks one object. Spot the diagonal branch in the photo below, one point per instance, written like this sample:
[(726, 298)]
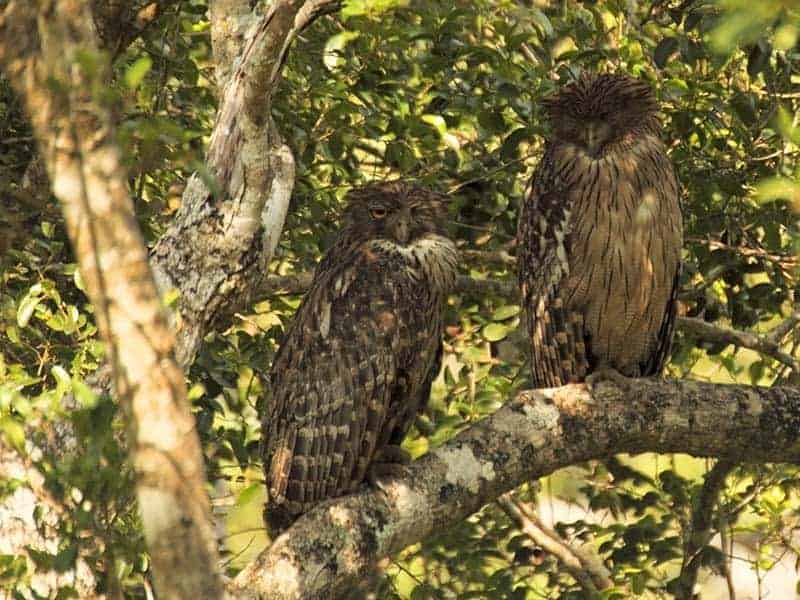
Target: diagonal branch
[(77, 138), (532, 436), (764, 344), (590, 573), (224, 235)]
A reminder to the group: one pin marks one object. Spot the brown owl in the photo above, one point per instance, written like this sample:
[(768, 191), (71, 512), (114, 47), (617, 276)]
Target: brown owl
[(600, 236), (356, 365)]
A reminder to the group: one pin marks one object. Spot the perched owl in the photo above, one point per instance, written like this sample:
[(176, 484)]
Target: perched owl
[(356, 365), (600, 236)]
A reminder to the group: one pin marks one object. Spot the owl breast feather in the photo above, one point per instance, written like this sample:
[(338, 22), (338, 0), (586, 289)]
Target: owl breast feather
[(432, 257)]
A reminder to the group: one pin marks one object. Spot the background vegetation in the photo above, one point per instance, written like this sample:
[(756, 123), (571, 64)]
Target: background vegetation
[(445, 92)]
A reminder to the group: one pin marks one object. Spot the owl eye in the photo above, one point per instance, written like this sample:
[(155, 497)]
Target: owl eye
[(377, 212)]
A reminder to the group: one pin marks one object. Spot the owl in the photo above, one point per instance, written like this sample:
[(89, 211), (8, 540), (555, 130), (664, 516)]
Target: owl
[(356, 365), (600, 237)]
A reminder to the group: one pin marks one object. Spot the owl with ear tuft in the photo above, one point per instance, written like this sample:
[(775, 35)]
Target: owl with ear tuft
[(600, 236), (356, 366)]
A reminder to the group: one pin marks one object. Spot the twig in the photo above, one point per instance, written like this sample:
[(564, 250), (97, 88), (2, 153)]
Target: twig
[(500, 257), (768, 345), (716, 334), (783, 329), (588, 571), (782, 258), (700, 530)]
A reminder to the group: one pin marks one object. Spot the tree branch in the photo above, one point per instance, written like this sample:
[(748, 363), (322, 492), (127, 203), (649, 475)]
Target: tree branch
[(700, 530), (768, 344), (763, 344), (77, 139), (226, 231), (532, 436), (588, 571)]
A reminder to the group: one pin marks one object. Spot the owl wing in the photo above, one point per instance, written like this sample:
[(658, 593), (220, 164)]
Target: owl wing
[(332, 383), (423, 361), (658, 360), (558, 348)]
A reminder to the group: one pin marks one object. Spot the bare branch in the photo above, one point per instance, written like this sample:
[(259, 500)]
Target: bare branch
[(532, 436), (588, 571), (700, 532), (784, 328), (768, 345), (744, 339), (500, 257)]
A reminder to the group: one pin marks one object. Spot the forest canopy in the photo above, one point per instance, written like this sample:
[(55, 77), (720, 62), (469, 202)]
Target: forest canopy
[(447, 94)]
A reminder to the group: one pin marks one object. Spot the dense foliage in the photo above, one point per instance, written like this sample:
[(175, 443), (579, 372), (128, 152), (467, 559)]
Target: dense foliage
[(447, 93)]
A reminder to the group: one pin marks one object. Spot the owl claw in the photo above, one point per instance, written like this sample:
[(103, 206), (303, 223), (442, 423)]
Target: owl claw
[(390, 463), (608, 374)]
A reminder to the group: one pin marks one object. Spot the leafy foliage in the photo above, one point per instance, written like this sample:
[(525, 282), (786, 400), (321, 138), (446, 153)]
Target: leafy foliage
[(446, 93)]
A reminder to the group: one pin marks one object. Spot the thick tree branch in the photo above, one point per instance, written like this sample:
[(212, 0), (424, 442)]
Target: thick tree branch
[(230, 220), (78, 142), (534, 435)]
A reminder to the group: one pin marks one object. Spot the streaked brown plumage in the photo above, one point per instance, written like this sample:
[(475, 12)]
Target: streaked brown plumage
[(600, 236), (356, 365)]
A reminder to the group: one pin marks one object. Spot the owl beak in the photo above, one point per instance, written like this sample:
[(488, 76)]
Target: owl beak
[(402, 229), (594, 142)]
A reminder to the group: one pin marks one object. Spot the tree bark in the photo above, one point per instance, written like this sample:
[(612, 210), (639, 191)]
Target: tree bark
[(214, 252), (327, 550), (218, 248), (76, 137)]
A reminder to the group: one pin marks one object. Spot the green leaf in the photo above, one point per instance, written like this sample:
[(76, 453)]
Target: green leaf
[(84, 394), (505, 312), (137, 71), (495, 332), (358, 8), (14, 432), (63, 380), (778, 188), (26, 308), (248, 494)]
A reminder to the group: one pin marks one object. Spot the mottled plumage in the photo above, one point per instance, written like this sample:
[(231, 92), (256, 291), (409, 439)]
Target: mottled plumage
[(600, 236), (356, 366)]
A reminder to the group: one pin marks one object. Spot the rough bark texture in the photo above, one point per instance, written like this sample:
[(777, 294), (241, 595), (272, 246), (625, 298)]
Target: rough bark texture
[(77, 140), (20, 530), (219, 245), (535, 434)]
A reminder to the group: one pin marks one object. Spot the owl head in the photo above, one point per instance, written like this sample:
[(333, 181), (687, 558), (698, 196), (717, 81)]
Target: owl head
[(597, 112), (395, 210)]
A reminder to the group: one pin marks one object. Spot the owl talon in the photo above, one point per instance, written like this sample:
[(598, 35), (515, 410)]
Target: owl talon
[(390, 463), (392, 454), (608, 374)]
